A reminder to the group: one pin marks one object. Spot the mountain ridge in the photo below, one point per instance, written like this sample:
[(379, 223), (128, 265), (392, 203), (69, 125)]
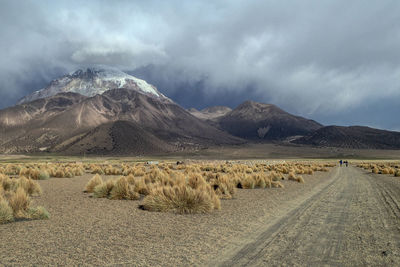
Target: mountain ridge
[(93, 81), (106, 111), (258, 121)]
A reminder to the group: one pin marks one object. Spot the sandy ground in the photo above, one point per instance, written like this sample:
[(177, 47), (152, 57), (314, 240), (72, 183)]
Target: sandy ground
[(344, 217)]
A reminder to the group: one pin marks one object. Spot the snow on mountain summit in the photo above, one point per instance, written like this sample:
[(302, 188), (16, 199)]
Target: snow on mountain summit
[(93, 81)]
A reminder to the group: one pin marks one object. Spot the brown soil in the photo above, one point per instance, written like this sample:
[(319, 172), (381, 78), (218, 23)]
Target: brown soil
[(344, 216)]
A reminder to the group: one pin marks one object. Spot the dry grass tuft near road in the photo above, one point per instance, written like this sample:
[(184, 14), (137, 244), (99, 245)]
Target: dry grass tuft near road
[(15, 199), (382, 167)]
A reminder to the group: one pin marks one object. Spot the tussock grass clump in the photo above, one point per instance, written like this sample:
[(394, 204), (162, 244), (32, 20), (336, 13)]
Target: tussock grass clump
[(293, 177), (97, 170), (38, 213), (223, 186), (30, 186), (196, 180), (397, 173), (123, 190), (6, 212), (141, 185), (277, 184), (44, 175), (103, 190), (181, 199), (19, 202), (246, 182), (95, 181), (385, 171)]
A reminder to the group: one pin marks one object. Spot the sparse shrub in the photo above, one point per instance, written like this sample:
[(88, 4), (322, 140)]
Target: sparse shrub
[(68, 174), (247, 182), (385, 171), (43, 175), (19, 202), (59, 173), (277, 184), (30, 186), (38, 213), (6, 212), (141, 186), (196, 180), (292, 176), (123, 190), (103, 190), (96, 180), (97, 170), (139, 172), (180, 199)]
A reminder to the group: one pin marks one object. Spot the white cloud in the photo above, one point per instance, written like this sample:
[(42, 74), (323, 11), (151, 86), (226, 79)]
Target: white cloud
[(310, 57)]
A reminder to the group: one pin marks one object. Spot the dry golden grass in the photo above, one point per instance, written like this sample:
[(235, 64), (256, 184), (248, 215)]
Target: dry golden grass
[(184, 188), (181, 199), (30, 186), (15, 201), (123, 190), (19, 202), (277, 184), (38, 213), (385, 168), (103, 190), (6, 212), (95, 181)]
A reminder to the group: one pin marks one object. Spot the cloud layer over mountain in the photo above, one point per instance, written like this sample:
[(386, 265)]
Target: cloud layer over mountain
[(333, 61)]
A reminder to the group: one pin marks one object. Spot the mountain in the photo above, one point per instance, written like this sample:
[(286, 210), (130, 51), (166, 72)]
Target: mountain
[(120, 120), (106, 111), (258, 121), (210, 113), (94, 81), (352, 137), (119, 138)]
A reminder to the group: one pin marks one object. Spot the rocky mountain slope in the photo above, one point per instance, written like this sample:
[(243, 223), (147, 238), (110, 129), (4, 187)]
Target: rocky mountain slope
[(93, 81), (120, 120), (103, 111), (352, 137), (258, 121), (210, 113)]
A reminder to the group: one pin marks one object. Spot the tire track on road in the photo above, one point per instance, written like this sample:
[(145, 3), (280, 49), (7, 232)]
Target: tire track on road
[(353, 220)]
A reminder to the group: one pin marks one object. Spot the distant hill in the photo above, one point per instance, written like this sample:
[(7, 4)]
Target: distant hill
[(352, 137), (258, 121), (119, 138)]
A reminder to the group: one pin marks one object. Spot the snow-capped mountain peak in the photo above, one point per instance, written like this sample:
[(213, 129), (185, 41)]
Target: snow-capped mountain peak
[(93, 81)]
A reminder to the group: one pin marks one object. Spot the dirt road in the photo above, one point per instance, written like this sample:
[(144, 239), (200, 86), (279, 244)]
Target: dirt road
[(353, 220)]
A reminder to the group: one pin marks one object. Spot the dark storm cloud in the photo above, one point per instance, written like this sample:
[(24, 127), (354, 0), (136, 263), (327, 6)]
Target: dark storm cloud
[(328, 60)]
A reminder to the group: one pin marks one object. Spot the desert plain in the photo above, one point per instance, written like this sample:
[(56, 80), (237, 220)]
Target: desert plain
[(335, 216)]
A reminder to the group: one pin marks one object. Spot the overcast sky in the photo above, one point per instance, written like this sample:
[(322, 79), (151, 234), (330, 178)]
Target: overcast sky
[(337, 62)]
